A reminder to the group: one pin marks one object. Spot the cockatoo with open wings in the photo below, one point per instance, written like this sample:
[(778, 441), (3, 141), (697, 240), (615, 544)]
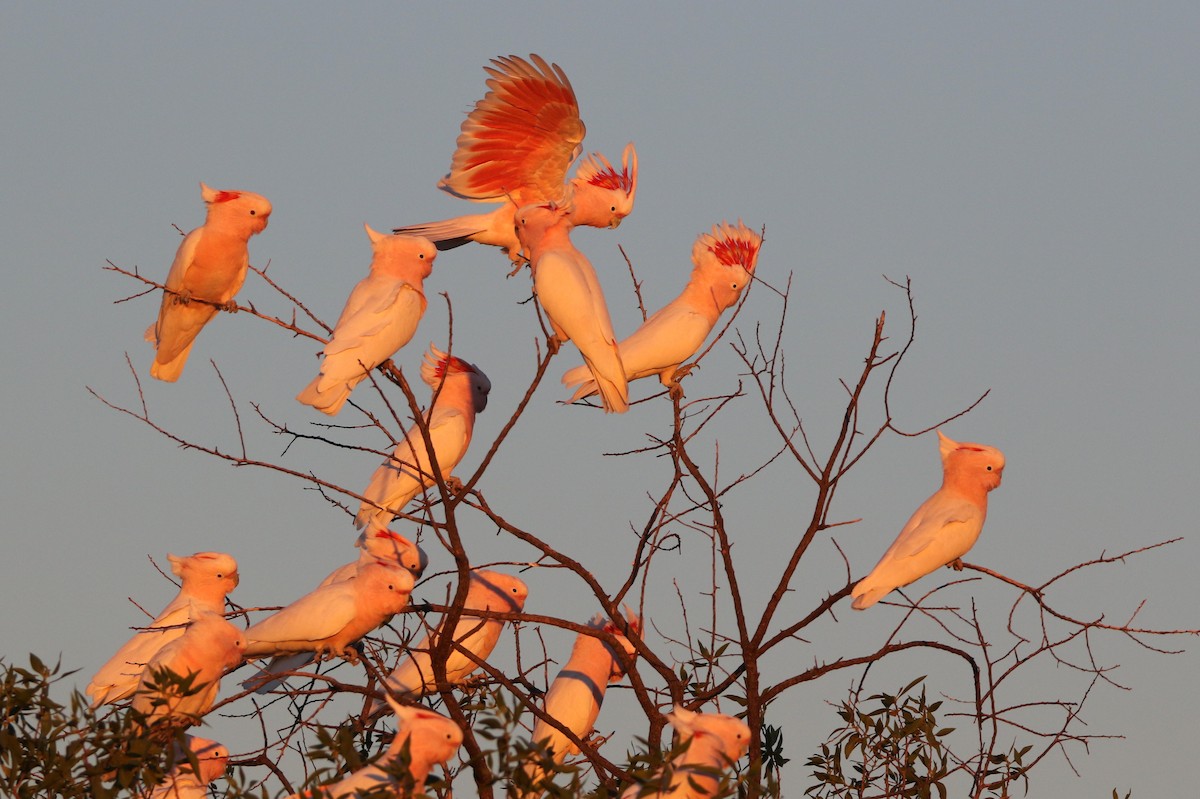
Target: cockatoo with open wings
[(209, 647), (330, 619), (210, 265), (714, 743), (575, 695), (723, 265), (430, 739), (206, 577), (569, 292), (515, 147), (380, 317), (460, 391), (487, 591), (186, 782), (946, 525)]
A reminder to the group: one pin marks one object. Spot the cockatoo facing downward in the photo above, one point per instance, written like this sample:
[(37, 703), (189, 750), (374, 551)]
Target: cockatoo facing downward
[(430, 738), (723, 265), (380, 317), (515, 147), (206, 578), (460, 391), (569, 291), (946, 525), (488, 591), (577, 692), (210, 265)]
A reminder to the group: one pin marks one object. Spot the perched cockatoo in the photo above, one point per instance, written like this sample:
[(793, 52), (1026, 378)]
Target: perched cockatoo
[(575, 695), (714, 743), (724, 262), (210, 265), (488, 591), (380, 317), (946, 525), (460, 391), (183, 781), (430, 738), (330, 619), (206, 578), (386, 546), (515, 147), (208, 648), (569, 292), (382, 546)]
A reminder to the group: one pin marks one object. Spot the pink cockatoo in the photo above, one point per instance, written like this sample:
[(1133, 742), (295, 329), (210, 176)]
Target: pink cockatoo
[(430, 739), (387, 547), (488, 591), (575, 695), (460, 391), (569, 291), (380, 317), (382, 546), (186, 782), (714, 743), (946, 525), (210, 265), (330, 619), (724, 262), (206, 578), (208, 648), (515, 147)]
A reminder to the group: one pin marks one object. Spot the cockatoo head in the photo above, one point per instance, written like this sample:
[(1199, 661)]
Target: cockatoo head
[(394, 548), (437, 736), (504, 593), (206, 566), (211, 757), (603, 196), (386, 585), (400, 254), (438, 366), (601, 622), (244, 210), (976, 463)]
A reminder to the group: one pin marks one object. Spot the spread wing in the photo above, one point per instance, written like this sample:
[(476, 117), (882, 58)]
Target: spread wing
[(521, 138)]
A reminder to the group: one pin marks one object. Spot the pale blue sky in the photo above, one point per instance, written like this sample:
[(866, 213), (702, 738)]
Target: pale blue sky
[(1032, 168)]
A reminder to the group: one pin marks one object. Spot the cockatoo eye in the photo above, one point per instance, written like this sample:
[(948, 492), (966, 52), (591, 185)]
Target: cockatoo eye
[(253, 212), (989, 468), (421, 256)]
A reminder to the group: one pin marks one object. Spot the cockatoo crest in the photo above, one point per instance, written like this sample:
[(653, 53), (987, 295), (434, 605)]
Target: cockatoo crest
[(211, 195), (597, 171), (732, 245)]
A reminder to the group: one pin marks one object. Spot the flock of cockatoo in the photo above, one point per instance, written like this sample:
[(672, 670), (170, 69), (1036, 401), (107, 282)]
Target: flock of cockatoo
[(515, 148)]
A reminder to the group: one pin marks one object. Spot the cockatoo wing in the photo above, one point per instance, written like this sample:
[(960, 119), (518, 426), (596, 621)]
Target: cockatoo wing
[(521, 138), (384, 316), (314, 617), (118, 678)]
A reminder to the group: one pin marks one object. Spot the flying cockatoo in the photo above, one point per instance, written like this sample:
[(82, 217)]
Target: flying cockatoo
[(569, 291), (488, 591), (946, 525), (184, 781), (382, 546), (210, 265), (208, 648), (575, 695), (380, 317), (328, 620), (430, 739), (714, 743), (460, 391), (206, 578), (515, 147), (724, 262)]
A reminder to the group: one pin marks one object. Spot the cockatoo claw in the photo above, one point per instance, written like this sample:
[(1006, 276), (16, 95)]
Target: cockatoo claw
[(675, 391), (553, 343), (229, 307), (956, 564)]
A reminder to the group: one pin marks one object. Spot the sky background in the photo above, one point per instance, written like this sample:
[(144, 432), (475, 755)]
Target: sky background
[(1032, 167)]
